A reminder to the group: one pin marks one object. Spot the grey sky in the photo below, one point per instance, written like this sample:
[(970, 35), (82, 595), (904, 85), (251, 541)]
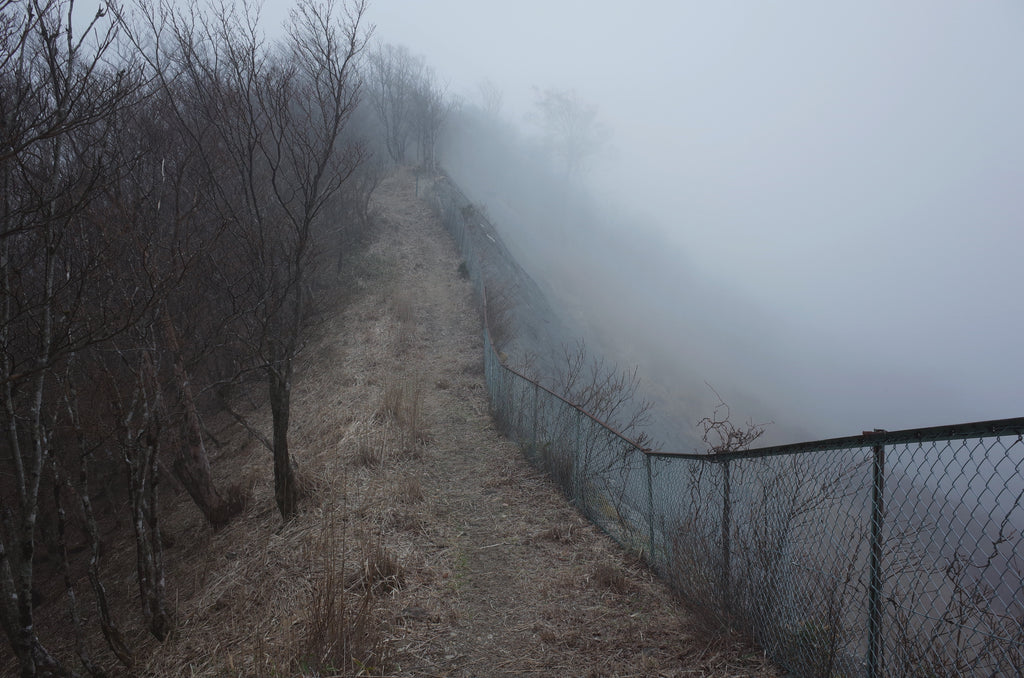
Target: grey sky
[(853, 167)]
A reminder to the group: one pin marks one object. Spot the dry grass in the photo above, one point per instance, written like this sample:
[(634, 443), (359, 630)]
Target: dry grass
[(405, 312), (409, 491), (414, 553), (402, 404), (371, 449), (343, 629), (608, 576)]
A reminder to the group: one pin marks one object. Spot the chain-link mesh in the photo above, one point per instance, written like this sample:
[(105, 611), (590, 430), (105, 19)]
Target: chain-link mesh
[(887, 554)]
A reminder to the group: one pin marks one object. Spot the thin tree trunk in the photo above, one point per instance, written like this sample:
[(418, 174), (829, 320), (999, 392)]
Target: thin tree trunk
[(115, 641), (191, 464), (284, 476), (69, 585), (141, 452), (111, 633)]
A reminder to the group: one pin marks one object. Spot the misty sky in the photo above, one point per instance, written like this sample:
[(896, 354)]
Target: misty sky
[(853, 166)]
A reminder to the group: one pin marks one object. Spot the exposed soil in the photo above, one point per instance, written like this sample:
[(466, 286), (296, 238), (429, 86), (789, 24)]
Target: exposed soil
[(479, 566)]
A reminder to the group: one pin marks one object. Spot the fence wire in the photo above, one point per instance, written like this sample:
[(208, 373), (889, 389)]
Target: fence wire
[(885, 554)]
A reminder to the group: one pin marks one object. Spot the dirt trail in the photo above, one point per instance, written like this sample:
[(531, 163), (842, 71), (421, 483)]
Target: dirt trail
[(525, 586)]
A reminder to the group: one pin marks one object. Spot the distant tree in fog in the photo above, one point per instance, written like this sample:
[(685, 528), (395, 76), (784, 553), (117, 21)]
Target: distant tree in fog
[(392, 75), (429, 109), (491, 97), (409, 102), (571, 128)]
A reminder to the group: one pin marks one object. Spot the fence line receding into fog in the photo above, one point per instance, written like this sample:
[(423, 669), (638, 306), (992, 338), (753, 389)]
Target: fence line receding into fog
[(883, 554)]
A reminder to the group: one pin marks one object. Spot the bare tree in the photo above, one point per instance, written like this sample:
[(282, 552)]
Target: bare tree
[(571, 127), (393, 75), (54, 88), (491, 97), (270, 127), (140, 415), (430, 106)]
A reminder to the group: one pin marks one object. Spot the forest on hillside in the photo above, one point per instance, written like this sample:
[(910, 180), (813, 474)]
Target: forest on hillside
[(178, 193)]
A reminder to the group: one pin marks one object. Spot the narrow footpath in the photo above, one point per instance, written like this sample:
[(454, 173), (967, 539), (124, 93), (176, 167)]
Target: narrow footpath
[(513, 581), (423, 537)]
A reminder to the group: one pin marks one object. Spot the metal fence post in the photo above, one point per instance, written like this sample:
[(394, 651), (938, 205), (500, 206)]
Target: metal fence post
[(576, 459), (726, 529), (536, 402), (875, 575), (650, 513)]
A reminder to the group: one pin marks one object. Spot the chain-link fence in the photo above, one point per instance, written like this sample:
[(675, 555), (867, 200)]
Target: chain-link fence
[(884, 554)]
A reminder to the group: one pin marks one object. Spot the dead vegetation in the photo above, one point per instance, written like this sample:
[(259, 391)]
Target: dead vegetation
[(425, 544)]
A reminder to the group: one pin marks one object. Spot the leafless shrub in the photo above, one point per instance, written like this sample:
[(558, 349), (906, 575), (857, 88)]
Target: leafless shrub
[(560, 534), (742, 555), (473, 214), (606, 391), (721, 435), (357, 223), (405, 312), (967, 635), (343, 633), (237, 498), (597, 440), (559, 462)]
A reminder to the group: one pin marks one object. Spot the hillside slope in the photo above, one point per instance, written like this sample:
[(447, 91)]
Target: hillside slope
[(426, 545)]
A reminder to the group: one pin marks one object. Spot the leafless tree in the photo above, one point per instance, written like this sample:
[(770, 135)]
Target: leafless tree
[(270, 125), (156, 223), (393, 75), (572, 128), (430, 106), (140, 414), (55, 87), (491, 97)]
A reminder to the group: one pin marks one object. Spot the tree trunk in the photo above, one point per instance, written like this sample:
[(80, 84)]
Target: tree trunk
[(284, 476), (65, 566), (115, 641), (191, 464), (141, 447)]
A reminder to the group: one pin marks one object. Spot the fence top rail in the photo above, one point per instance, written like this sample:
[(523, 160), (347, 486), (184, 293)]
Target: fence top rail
[(979, 429), (536, 384)]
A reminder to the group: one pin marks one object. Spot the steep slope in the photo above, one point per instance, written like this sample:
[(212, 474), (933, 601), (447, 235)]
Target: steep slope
[(452, 556)]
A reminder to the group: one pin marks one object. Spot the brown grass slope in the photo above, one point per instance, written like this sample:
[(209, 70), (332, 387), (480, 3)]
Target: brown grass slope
[(426, 545)]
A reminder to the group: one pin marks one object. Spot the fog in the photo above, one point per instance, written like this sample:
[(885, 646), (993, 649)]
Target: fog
[(843, 178), (837, 183)]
